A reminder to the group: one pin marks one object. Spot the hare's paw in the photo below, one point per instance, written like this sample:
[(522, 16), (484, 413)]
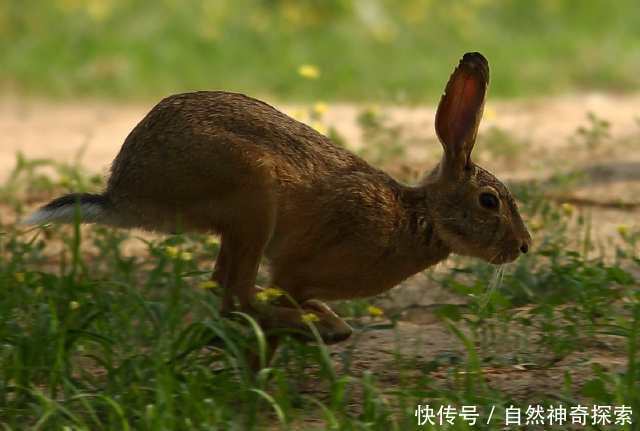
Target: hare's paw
[(297, 321), (331, 327)]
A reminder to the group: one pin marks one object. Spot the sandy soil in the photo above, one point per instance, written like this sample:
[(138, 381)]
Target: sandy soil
[(62, 130), (544, 133)]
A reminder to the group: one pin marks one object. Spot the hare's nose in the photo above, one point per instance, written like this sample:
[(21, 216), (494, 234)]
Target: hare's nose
[(524, 248)]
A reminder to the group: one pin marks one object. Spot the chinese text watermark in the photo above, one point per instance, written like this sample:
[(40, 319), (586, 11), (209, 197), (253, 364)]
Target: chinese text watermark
[(581, 415)]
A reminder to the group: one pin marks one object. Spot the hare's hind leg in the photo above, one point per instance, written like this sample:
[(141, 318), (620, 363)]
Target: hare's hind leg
[(294, 319), (236, 270), (245, 235), (243, 244)]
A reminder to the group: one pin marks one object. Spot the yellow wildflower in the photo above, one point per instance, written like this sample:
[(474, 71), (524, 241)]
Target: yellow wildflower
[(309, 71), (209, 284), (65, 180), (623, 230), (568, 209), (186, 256), (535, 225), (172, 251), (489, 113), (320, 108), (309, 318), (268, 293), (373, 109), (375, 311), (212, 240), (74, 305), (319, 127), (298, 114), (19, 276)]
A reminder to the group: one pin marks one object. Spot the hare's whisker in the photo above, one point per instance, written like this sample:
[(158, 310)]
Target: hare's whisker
[(494, 283)]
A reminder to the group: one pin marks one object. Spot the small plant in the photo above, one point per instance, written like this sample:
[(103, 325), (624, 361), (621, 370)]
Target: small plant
[(502, 145), (594, 134), (383, 141)]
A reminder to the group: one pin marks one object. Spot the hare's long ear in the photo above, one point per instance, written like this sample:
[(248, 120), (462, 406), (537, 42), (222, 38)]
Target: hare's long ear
[(460, 111)]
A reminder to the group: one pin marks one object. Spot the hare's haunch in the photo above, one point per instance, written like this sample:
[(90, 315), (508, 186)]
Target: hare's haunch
[(330, 225)]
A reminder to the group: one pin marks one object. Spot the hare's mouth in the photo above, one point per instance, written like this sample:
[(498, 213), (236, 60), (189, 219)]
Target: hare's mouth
[(504, 257)]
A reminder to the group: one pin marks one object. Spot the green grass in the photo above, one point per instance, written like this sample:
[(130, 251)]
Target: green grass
[(367, 50), (96, 338)]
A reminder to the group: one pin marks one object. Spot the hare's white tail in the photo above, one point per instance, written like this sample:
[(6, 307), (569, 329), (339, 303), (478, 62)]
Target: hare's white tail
[(84, 207)]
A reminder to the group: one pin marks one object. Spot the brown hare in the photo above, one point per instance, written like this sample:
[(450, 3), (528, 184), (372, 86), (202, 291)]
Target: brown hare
[(330, 225)]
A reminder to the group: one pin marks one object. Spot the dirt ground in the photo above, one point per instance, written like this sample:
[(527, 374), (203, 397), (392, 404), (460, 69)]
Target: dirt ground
[(542, 141)]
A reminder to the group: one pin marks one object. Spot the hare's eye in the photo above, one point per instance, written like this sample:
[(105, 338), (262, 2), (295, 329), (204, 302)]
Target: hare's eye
[(489, 201)]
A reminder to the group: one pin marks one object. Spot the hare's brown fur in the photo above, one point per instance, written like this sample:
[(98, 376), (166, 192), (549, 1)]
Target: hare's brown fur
[(331, 225)]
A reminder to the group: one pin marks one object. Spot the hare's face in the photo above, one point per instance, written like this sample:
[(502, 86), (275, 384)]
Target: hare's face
[(477, 216)]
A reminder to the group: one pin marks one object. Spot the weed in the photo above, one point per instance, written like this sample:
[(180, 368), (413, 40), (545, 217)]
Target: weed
[(593, 135), (384, 141), (501, 145)]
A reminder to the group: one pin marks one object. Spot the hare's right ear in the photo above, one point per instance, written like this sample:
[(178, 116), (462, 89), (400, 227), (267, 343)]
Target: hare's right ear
[(460, 111)]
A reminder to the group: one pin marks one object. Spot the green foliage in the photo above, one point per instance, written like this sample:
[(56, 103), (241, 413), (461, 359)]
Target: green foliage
[(500, 144), (95, 337), (592, 135), (367, 50), (383, 140)]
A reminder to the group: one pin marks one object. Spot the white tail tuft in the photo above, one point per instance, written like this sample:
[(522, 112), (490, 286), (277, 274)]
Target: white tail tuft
[(89, 213), (88, 208)]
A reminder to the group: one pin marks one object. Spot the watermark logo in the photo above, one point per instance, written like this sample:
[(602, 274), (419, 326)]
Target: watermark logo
[(536, 414)]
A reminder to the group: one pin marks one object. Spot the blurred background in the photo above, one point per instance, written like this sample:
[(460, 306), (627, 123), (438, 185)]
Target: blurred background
[(381, 50)]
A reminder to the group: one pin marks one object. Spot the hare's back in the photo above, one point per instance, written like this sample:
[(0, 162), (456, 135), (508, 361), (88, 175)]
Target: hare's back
[(191, 142)]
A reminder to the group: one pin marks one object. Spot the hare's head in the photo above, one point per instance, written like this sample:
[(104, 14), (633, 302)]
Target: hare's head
[(474, 213)]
